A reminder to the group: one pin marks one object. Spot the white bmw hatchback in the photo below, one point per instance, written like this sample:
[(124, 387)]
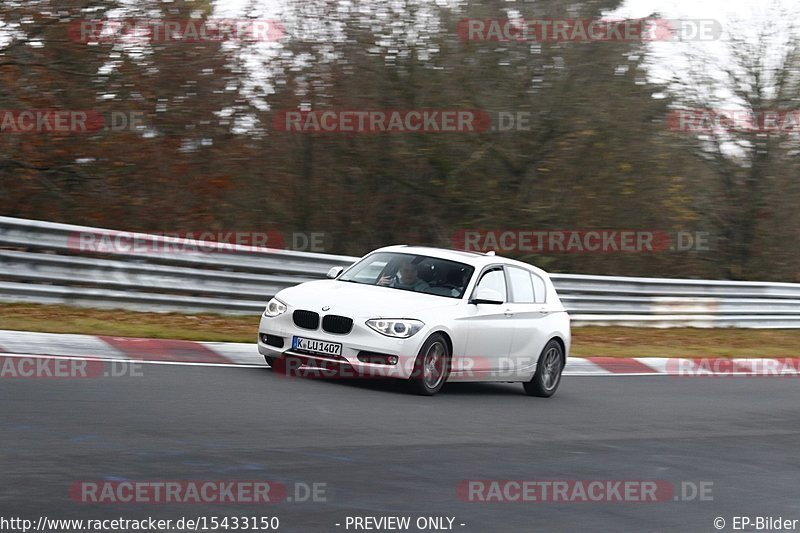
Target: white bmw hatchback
[(425, 315)]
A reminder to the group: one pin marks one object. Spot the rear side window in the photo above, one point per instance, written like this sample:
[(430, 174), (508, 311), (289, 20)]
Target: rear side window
[(526, 287), (522, 291)]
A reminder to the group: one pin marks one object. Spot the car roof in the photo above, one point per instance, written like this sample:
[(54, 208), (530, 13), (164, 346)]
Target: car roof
[(476, 259)]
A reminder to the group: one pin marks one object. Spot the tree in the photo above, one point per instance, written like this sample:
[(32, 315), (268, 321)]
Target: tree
[(754, 193)]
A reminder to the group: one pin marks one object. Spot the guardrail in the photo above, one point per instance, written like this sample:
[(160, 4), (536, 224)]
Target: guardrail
[(46, 262)]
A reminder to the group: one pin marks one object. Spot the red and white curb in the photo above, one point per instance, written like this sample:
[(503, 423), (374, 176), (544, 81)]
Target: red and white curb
[(23, 343), (128, 348)]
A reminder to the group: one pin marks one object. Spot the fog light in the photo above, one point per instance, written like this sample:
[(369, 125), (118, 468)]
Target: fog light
[(272, 340), (377, 358)]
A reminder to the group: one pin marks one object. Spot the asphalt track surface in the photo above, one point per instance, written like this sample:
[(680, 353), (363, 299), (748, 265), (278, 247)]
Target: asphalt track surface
[(383, 452)]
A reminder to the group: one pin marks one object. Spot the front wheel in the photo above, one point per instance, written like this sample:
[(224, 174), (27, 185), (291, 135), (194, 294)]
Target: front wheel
[(547, 377), (431, 367), (281, 365)]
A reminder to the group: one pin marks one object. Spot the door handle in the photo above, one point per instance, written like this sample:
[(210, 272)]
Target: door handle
[(508, 312)]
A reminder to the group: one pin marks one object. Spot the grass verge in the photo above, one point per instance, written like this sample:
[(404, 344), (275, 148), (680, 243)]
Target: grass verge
[(65, 319)]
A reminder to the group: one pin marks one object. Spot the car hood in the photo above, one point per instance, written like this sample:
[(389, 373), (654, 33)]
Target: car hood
[(359, 300)]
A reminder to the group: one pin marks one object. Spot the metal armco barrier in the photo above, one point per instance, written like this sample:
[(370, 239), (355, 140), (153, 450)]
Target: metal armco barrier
[(46, 262)]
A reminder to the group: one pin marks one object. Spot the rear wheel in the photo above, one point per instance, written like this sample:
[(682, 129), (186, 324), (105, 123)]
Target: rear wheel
[(431, 367), (548, 371)]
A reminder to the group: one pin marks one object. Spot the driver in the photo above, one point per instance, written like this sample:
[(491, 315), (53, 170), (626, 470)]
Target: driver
[(407, 278)]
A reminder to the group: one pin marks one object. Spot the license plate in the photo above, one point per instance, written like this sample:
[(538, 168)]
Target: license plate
[(316, 346)]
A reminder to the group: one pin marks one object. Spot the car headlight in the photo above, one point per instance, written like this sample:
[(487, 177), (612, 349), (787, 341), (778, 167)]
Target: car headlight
[(274, 308), (402, 329)]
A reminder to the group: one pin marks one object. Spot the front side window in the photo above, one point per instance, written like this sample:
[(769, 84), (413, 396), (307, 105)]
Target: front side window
[(493, 279)]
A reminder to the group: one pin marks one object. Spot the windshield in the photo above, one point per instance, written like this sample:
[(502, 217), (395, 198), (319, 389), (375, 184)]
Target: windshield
[(409, 272)]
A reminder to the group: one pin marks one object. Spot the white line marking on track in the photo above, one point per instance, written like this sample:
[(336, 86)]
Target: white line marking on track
[(601, 374), (263, 366)]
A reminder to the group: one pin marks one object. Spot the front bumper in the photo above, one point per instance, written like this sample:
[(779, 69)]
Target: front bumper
[(361, 340)]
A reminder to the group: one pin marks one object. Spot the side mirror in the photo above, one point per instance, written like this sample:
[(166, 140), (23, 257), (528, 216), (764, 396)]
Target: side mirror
[(334, 272), (486, 295)]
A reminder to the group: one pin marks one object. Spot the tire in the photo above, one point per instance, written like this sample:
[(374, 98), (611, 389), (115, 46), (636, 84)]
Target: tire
[(280, 364), (547, 378), (432, 366)]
